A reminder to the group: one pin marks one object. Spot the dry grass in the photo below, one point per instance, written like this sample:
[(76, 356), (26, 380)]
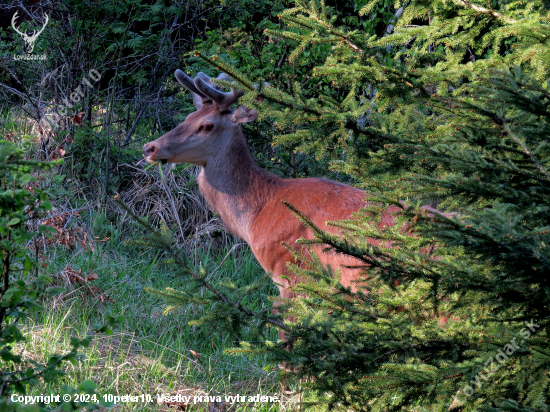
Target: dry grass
[(172, 198)]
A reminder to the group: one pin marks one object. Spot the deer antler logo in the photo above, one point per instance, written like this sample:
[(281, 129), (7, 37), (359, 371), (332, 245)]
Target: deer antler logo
[(29, 40)]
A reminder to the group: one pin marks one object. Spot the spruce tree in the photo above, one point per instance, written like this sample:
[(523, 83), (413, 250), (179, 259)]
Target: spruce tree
[(459, 120), (450, 109)]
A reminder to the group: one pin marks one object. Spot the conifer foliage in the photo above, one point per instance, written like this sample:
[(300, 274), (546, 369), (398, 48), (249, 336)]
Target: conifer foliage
[(449, 108)]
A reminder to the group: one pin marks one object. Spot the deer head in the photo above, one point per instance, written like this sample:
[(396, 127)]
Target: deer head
[(29, 40), (207, 131)]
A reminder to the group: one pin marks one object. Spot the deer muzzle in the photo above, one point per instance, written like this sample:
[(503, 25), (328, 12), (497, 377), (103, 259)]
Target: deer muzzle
[(149, 151)]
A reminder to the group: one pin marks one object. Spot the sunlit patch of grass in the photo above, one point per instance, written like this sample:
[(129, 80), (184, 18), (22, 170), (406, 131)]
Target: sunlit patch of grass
[(151, 353)]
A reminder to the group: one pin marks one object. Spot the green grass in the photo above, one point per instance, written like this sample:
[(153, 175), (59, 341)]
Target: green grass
[(152, 352)]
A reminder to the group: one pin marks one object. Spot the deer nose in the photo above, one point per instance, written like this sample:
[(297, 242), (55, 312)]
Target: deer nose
[(149, 149)]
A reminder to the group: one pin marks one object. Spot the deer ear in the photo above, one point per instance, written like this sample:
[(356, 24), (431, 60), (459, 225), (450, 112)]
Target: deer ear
[(243, 114)]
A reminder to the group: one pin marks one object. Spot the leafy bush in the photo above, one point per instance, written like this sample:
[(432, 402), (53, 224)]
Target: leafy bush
[(23, 203)]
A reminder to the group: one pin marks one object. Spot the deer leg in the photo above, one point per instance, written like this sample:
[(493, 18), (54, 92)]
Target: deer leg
[(285, 294)]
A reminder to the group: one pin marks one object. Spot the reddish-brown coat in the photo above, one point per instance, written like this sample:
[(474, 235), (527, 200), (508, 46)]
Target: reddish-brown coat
[(321, 201)]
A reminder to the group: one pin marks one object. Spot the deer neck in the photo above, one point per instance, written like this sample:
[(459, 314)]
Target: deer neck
[(236, 187)]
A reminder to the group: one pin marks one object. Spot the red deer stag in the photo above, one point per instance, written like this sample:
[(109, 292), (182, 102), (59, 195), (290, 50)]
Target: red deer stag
[(247, 198)]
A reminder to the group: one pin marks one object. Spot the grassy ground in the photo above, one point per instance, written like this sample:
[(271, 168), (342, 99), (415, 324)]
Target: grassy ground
[(152, 352)]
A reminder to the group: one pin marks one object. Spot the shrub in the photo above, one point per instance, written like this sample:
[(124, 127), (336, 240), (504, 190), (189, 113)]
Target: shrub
[(23, 204)]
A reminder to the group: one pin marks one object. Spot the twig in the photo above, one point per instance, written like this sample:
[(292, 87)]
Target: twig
[(526, 149), (224, 259), (485, 11), (324, 24)]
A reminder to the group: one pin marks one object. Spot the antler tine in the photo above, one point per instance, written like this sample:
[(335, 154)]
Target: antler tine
[(234, 94), (208, 80), (203, 89), (13, 23), (209, 91), (205, 77), (223, 99), (232, 97), (224, 76), (187, 82)]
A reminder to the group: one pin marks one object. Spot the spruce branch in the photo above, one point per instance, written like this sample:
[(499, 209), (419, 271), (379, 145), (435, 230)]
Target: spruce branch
[(345, 308), (345, 38), (485, 11), (379, 257), (526, 149)]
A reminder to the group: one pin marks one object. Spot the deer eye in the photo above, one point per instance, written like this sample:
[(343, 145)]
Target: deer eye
[(206, 127)]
